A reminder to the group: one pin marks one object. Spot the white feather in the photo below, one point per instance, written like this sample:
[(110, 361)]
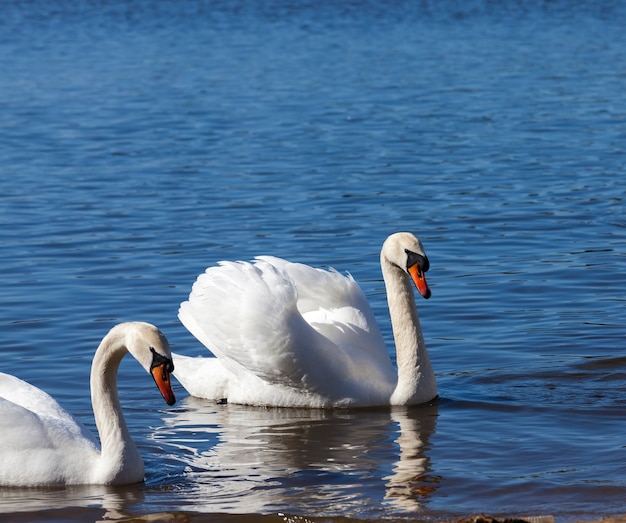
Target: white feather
[(42, 444), (286, 334)]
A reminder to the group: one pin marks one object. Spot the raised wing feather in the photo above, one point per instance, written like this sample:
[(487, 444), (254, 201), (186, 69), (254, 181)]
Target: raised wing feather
[(246, 315), (286, 324), (319, 288), (335, 306)]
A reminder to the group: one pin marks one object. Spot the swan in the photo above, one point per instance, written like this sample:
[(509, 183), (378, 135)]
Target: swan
[(289, 335), (43, 444)]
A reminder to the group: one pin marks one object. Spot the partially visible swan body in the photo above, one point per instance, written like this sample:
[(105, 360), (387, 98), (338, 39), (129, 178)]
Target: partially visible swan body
[(289, 335), (42, 444)]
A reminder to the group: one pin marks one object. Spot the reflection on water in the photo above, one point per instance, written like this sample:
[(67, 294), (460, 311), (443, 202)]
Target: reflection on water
[(144, 141), (410, 483), (111, 501), (257, 460)]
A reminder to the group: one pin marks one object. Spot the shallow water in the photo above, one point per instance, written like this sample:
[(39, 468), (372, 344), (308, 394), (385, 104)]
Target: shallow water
[(142, 142)]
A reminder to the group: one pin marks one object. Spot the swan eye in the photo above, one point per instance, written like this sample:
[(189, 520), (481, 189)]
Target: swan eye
[(159, 359), (413, 258)]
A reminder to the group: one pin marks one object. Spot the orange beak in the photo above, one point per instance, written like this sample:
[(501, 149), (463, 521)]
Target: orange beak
[(419, 278), (161, 375)]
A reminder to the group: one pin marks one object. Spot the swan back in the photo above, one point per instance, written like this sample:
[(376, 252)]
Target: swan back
[(37, 435)]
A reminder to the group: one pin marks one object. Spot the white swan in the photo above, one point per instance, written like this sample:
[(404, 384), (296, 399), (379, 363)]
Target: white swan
[(42, 444), (290, 335)]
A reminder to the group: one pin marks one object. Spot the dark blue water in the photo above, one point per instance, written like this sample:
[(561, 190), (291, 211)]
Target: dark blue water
[(142, 141)]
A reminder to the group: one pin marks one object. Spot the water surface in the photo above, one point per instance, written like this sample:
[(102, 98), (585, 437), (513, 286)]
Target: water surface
[(142, 142)]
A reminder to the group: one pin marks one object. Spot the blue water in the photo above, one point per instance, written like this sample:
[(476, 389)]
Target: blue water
[(141, 142)]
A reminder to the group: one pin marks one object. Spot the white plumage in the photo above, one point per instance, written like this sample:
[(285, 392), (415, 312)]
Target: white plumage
[(42, 444), (286, 334)]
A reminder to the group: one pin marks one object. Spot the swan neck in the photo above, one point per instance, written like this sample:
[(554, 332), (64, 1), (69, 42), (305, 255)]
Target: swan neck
[(416, 381), (119, 454)]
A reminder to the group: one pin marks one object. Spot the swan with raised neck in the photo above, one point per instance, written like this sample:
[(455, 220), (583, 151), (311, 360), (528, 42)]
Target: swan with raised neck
[(402, 259), (286, 334)]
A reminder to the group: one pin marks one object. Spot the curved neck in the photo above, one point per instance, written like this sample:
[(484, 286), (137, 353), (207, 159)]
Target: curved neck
[(119, 459), (416, 378)]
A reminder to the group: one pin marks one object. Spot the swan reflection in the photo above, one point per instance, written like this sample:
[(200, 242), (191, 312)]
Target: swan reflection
[(38, 501), (410, 482), (258, 460)]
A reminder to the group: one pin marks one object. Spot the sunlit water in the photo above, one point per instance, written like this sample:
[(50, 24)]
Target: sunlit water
[(141, 142)]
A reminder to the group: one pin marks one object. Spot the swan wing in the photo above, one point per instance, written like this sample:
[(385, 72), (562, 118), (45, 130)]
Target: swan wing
[(320, 288), (335, 305), (248, 315)]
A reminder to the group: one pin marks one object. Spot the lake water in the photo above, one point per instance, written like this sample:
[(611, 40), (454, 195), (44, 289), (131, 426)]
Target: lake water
[(141, 142)]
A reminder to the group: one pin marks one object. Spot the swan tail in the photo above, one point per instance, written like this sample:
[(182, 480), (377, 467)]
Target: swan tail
[(202, 377)]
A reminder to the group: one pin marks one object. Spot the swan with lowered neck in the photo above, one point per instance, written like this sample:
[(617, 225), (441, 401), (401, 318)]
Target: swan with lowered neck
[(289, 335), (42, 444)]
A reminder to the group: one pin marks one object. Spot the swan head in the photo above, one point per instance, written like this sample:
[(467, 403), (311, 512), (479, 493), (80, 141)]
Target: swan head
[(150, 348), (405, 250)]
